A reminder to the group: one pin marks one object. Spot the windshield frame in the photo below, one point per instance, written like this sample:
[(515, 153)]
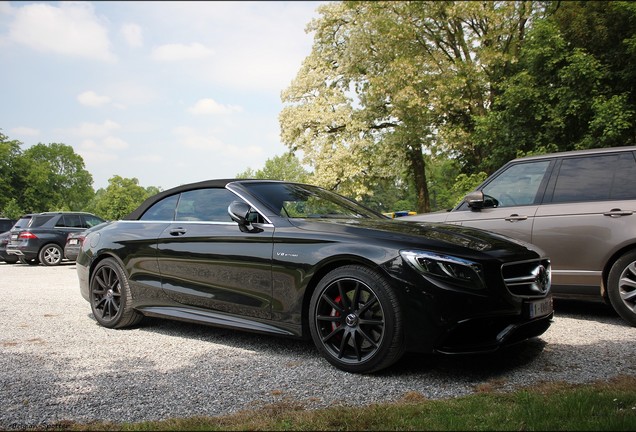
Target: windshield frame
[(293, 201)]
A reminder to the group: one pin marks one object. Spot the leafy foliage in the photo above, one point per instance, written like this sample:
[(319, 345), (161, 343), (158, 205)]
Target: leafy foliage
[(478, 83), (45, 177), (286, 167), (121, 197), (387, 81)]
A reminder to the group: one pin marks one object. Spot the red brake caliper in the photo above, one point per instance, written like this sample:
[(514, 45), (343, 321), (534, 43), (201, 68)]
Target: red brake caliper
[(334, 312)]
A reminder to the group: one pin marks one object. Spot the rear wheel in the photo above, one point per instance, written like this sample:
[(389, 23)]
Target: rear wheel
[(111, 301), (51, 255), (621, 287), (356, 321), (11, 260)]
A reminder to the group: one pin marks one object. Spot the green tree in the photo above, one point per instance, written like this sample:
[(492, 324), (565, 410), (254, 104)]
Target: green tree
[(11, 175), (387, 81), (120, 197), (285, 167), (55, 179), (563, 97)]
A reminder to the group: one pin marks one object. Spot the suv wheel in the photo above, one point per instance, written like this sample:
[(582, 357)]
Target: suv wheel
[(621, 287), (51, 255)]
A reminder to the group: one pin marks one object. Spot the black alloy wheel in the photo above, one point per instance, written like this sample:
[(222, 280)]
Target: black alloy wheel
[(110, 296), (355, 320), (621, 287), (51, 255)]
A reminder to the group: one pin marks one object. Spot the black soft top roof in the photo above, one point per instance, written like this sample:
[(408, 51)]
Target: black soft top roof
[(136, 214)]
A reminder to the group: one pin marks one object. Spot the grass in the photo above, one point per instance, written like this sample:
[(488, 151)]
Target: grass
[(602, 406)]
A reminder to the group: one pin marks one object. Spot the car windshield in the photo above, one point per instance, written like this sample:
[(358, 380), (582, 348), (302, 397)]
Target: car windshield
[(304, 201)]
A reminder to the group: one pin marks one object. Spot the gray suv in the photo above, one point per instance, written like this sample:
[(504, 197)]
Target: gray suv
[(579, 207)]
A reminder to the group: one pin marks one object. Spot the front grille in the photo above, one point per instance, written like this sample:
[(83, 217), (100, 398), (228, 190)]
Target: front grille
[(527, 278)]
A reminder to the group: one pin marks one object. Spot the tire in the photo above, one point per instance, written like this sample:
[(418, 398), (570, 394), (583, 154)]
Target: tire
[(621, 287), (356, 321), (51, 255), (110, 296), (11, 260), (31, 261)]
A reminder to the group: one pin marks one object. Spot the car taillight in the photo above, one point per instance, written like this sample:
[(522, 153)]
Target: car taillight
[(27, 235)]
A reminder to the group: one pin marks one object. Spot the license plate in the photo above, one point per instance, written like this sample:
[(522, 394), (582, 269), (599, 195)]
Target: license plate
[(73, 241), (539, 308)]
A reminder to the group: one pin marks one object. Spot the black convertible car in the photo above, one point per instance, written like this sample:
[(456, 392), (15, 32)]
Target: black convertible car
[(296, 260)]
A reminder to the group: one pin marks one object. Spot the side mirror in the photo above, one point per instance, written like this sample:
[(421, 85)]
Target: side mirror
[(239, 212), (475, 200)]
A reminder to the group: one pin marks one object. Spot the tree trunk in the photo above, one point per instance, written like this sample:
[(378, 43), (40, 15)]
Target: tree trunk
[(418, 169)]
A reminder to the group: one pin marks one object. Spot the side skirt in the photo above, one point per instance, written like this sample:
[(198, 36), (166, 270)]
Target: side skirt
[(216, 319)]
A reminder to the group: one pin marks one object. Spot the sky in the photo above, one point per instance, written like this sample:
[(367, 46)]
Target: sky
[(166, 92)]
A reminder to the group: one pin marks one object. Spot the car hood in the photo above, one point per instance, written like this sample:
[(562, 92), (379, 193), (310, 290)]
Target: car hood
[(438, 236)]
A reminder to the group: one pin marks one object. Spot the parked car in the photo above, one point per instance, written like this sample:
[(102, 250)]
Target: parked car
[(74, 241), (5, 236), (43, 239), (296, 260), (579, 207), (6, 224)]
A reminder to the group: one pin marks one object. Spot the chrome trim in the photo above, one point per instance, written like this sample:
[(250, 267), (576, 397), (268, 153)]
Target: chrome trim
[(268, 225), (231, 187), (577, 272)]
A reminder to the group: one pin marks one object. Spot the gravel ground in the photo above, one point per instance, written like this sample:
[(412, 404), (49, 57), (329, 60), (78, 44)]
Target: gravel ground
[(58, 364)]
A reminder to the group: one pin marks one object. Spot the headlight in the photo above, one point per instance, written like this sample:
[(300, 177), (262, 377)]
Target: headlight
[(445, 268)]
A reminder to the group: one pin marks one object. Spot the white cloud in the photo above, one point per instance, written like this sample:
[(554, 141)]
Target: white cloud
[(114, 143), (24, 131), (92, 99), (88, 129), (92, 152), (5, 8), (210, 106), (179, 52), (71, 29), (132, 34), (189, 138)]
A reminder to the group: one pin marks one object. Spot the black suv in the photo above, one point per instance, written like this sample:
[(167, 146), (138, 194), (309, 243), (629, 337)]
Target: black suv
[(5, 236), (6, 224), (43, 239)]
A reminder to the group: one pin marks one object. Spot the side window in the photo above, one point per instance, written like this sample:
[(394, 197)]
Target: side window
[(596, 178), (517, 185), (70, 220), (205, 205), (162, 210), (91, 221), (624, 185)]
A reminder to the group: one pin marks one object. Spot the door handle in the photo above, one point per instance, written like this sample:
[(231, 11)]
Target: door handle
[(177, 232), (618, 213), (515, 218)]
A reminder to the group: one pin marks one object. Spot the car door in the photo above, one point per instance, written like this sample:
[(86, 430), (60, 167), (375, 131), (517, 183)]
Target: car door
[(588, 214), (512, 198), (206, 261)]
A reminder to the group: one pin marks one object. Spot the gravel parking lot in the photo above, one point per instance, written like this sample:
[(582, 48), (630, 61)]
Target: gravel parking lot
[(58, 364)]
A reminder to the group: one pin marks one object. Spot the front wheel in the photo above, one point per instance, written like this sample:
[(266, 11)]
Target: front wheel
[(51, 255), (621, 287), (110, 297), (356, 321)]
